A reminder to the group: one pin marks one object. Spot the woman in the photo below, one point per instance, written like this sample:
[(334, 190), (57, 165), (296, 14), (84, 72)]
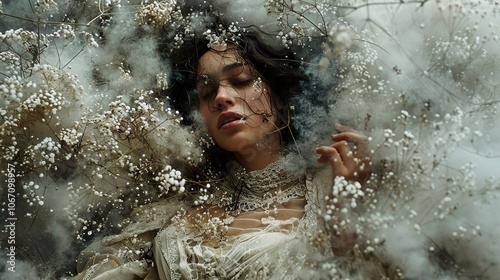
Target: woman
[(260, 219)]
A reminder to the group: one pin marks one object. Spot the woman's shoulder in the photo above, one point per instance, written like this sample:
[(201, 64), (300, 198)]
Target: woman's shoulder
[(148, 218)]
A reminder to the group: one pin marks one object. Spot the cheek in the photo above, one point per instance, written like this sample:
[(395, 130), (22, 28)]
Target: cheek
[(258, 99), (209, 120), (206, 116)]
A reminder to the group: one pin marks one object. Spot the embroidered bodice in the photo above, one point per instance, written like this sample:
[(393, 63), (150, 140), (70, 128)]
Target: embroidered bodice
[(247, 191), (263, 235)]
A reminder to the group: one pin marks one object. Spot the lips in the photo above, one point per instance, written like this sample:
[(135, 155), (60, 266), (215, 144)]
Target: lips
[(227, 117)]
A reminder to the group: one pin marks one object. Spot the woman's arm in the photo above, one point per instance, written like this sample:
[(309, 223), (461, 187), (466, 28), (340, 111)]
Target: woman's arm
[(348, 157), (108, 261), (97, 265)]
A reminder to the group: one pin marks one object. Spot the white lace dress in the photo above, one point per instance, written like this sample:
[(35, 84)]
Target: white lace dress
[(274, 233)]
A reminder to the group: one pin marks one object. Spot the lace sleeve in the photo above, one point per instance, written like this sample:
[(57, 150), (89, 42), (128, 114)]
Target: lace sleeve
[(317, 182), (130, 249)]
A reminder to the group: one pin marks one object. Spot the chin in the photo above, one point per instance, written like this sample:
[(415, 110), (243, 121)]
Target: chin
[(236, 146)]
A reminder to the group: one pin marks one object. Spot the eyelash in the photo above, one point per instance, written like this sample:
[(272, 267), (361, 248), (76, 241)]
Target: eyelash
[(243, 83), (207, 94)]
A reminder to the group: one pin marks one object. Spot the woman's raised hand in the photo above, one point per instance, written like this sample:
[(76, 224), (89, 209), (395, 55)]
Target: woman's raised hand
[(348, 156)]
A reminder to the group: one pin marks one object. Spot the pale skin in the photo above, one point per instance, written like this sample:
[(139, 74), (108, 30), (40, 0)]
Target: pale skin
[(238, 94), (353, 164)]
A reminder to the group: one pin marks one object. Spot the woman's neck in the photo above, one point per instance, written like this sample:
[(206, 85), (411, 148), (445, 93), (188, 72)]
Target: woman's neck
[(257, 160), (266, 151)]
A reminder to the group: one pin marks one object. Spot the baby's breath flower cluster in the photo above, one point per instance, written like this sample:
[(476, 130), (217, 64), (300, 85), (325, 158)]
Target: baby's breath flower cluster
[(211, 227), (219, 38), (162, 81), (95, 149), (167, 15), (127, 145), (159, 14), (170, 179), (345, 195), (31, 195), (301, 21), (43, 6), (203, 195), (25, 44)]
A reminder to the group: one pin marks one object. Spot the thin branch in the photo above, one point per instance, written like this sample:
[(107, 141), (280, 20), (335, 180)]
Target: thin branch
[(53, 22)]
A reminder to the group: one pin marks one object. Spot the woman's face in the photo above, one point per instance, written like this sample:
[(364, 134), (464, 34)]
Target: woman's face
[(235, 104)]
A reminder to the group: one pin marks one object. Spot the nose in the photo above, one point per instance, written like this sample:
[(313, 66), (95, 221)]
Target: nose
[(224, 97)]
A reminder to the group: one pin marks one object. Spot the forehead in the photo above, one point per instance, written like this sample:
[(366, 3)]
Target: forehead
[(213, 62)]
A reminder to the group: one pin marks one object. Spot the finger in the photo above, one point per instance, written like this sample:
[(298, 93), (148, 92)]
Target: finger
[(360, 142), (343, 128), (364, 168), (349, 134), (350, 137), (326, 152), (354, 167), (331, 155), (346, 155)]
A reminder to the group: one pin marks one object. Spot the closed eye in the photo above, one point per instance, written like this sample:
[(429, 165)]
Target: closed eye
[(243, 83)]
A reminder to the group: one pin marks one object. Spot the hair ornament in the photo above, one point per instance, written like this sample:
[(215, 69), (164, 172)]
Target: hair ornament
[(219, 40)]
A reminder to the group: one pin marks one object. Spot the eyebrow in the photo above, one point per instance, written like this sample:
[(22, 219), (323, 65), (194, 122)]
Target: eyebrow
[(232, 66), (225, 69)]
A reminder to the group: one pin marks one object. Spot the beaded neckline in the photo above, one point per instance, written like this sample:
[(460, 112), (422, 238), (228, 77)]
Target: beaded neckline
[(247, 191)]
